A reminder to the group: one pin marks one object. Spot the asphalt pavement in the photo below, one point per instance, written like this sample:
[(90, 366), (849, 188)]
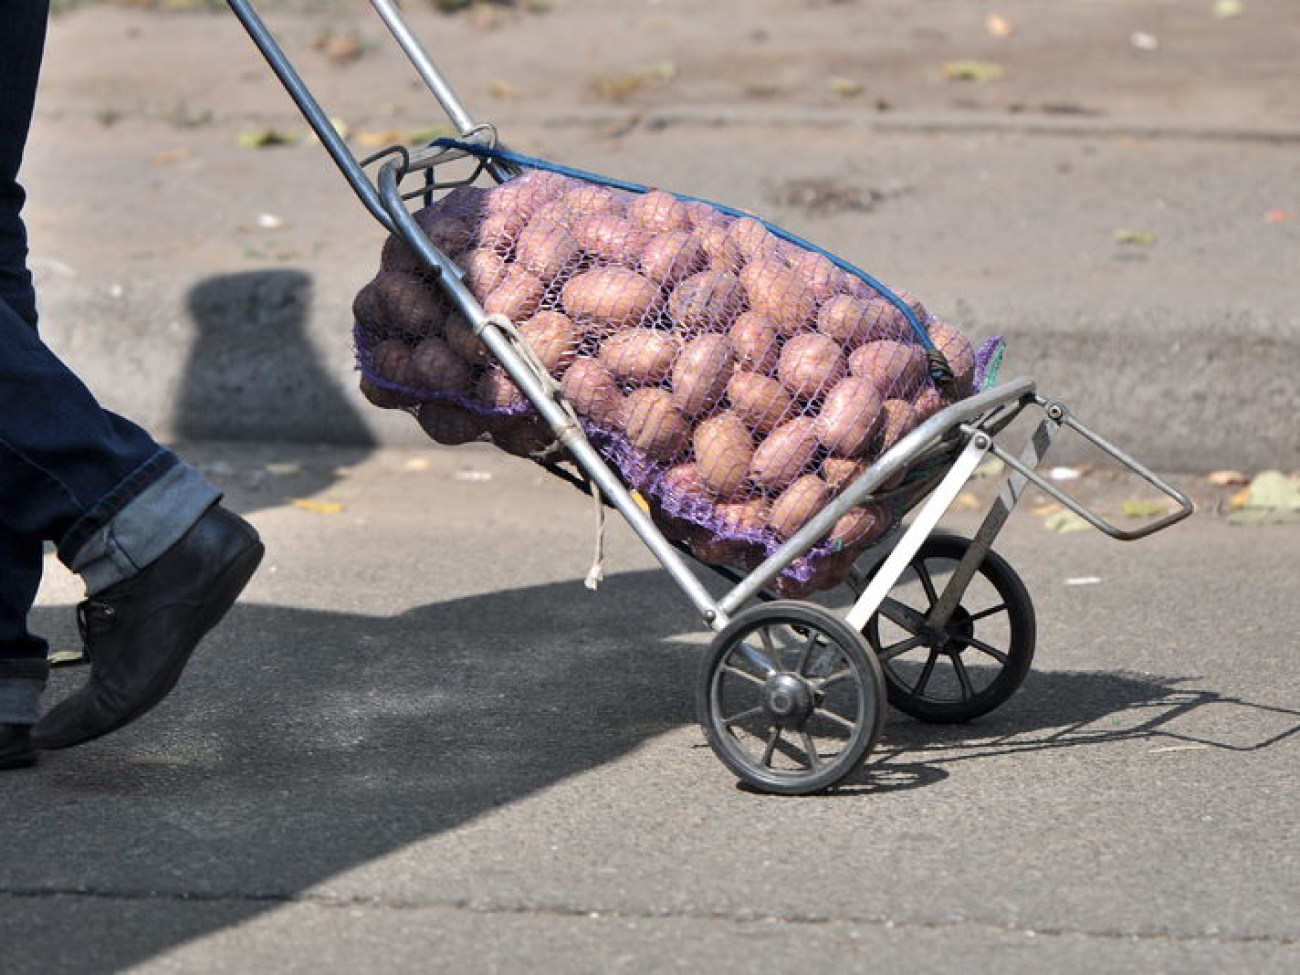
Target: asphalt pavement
[(420, 744)]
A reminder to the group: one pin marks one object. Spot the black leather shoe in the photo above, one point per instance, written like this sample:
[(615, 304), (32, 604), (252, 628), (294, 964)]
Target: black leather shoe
[(16, 749), (139, 634)]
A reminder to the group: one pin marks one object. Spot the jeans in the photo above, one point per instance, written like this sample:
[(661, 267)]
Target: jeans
[(93, 483)]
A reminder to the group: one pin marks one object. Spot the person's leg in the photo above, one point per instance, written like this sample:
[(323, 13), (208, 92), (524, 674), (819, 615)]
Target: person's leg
[(22, 655)]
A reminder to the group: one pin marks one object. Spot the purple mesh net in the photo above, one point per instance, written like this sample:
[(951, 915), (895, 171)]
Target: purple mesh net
[(736, 380)]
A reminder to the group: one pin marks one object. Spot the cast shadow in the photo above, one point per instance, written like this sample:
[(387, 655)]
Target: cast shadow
[(253, 373)]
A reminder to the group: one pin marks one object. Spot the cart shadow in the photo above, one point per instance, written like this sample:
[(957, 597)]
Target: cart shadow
[(1056, 710)]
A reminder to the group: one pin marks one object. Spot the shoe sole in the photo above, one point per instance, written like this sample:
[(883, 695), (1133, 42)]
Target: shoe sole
[(230, 583)]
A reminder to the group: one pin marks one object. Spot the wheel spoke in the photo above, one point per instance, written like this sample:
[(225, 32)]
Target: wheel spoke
[(900, 648), (772, 739), (901, 614), (810, 749), (824, 682), (926, 673), (923, 576), (838, 719), (743, 674), (756, 657), (805, 654), (737, 718), (999, 655), (986, 613), (963, 678)]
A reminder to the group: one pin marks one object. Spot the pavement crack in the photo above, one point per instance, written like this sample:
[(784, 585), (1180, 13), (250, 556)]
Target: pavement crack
[(326, 901)]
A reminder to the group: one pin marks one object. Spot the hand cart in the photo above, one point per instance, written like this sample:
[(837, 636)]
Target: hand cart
[(791, 695)]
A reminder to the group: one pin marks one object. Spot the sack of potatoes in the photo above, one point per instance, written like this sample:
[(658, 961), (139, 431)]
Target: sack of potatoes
[(737, 380)]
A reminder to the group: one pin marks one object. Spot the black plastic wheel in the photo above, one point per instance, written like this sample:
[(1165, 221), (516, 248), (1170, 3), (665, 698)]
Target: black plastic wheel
[(972, 663), (790, 697)]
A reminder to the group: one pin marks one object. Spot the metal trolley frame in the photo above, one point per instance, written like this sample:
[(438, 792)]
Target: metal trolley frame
[(791, 695)]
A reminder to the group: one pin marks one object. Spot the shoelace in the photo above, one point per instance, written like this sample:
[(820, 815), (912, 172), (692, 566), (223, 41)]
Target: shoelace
[(93, 614)]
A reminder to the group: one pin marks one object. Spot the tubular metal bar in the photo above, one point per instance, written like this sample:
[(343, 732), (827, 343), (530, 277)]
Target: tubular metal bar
[(892, 568), (310, 109), (992, 524), (897, 460), (543, 399), (1061, 415), (433, 78)]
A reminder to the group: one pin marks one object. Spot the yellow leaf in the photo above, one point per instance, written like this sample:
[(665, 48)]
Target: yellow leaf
[(317, 507), (1141, 238), (972, 71)]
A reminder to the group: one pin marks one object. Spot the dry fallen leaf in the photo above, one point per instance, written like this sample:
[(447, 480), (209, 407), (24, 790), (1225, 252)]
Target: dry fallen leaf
[(1065, 521), (998, 26), (968, 70), (317, 507), (1142, 238), (1227, 478)]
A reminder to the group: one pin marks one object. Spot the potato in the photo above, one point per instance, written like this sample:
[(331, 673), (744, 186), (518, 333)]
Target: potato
[(520, 435), (846, 319), (553, 339), (658, 211), (752, 239), (436, 368), (390, 360), (792, 509), (840, 472), (896, 368), (545, 248), (448, 232), (385, 398), (640, 356), (810, 364), (701, 373), (683, 481), (780, 294), (398, 255), (724, 450), (365, 313), (707, 301), (449, 424), (672, 256), (654, 426), (719, 250), (849, 416), (499, 230), (711, 550), (593, 393), (960, 354), (517, 297), (498, 392), (459, 334), (611, 238), (467, 202), (484, 270), (703, 214), (819, 273), (928, 402), (762, 402), (593, 198), (744, 518), (754, 342), (525, 195), (784, 455), (609, 298), (858, 527), (408, 305), (898, 419)]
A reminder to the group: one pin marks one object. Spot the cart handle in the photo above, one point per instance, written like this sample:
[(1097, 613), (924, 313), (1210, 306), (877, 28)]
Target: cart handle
[(353, 170), (1059, 415)]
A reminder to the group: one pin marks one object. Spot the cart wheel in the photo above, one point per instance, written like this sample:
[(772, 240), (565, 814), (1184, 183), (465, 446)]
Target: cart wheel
[(948, 674), (791, 697)]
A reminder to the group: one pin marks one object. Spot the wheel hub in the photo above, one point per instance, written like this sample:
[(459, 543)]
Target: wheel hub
[(788, 698)]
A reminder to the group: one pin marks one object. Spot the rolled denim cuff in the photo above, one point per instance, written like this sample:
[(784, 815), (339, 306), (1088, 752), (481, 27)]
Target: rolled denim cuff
[(146, 527), (20, 700)]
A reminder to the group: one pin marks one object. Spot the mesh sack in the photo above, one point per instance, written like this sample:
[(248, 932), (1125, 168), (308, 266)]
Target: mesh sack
[(734, 376)]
